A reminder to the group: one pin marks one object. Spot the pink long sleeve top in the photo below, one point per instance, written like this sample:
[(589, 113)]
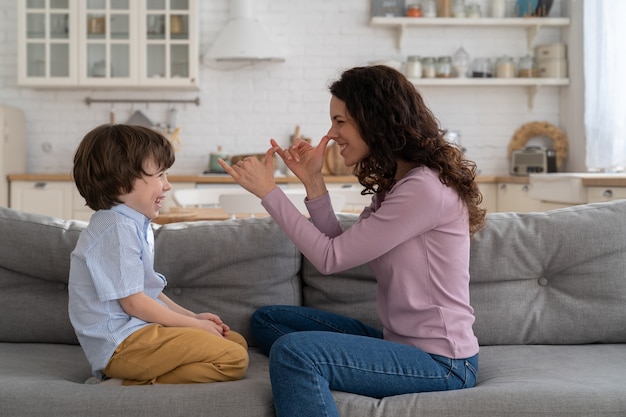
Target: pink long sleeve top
[(416, 240)]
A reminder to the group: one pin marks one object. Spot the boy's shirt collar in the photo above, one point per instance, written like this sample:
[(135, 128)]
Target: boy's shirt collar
[(133, 214)]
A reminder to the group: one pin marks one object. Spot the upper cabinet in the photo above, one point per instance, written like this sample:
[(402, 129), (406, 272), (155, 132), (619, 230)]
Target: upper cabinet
[(107, 43)]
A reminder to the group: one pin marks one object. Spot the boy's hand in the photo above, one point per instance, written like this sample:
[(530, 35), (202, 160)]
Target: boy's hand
[(213, 323)]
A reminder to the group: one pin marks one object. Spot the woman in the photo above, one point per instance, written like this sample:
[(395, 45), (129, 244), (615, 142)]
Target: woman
[(415, 236)]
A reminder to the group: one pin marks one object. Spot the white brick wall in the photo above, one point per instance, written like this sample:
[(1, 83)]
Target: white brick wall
[(240, 110)]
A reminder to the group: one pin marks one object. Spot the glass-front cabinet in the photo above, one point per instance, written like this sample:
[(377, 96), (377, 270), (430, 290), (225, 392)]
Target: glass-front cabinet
[(47, 42), (169, 48), (108, 43)]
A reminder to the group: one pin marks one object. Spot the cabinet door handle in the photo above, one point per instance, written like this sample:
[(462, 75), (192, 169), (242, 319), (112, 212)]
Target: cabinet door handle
[(525, 188), (607, 193), (41, 185), (503, 187)]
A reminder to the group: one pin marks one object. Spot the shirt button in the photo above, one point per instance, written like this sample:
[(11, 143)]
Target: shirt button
[(177, 291), (543, 281)]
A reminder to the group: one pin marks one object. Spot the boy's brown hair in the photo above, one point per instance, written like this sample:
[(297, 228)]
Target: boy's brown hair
[(111, 157)]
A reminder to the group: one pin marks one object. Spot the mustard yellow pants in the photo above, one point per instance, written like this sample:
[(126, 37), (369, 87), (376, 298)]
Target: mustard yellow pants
[(178, 355)]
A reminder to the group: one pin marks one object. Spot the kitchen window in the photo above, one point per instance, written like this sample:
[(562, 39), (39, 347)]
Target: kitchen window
[(605, 85)]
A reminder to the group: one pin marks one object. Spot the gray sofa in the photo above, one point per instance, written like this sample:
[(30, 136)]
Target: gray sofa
[(549, 292)]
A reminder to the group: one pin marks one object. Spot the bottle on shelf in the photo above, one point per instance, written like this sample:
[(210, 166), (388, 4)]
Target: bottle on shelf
[(444, 8), (461, 62)]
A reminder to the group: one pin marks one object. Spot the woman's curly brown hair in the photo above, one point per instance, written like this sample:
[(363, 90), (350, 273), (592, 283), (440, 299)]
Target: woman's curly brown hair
[(394, 121)]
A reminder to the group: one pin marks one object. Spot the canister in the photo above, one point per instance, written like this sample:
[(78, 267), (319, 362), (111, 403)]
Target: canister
[(552, 68), (551, 51)]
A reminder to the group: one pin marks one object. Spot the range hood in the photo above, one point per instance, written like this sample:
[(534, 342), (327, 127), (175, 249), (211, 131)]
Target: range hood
[(243, 39)]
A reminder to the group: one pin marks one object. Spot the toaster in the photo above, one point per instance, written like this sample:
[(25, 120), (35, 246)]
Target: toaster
[(533, 159)]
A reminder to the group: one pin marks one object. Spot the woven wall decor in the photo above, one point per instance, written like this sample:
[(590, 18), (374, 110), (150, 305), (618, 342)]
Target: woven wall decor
[(534, 129)]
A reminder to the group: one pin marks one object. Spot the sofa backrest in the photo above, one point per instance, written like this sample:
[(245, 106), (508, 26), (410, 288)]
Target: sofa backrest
[(34, 266), (556, 277), (229, 268), (351, 293)]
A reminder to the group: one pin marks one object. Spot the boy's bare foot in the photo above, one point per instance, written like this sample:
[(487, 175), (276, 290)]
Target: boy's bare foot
[(112, 381)]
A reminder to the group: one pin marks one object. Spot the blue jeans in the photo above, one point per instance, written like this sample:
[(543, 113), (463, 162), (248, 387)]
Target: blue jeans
[(313, 352)]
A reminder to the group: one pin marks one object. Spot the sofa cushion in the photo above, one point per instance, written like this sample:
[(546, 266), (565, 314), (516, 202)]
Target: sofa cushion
[(537, 277), (230, 268), (518, 381), (34, 269), (47, 380)]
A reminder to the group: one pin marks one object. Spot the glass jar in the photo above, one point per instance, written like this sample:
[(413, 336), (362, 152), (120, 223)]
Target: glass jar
[(458, 8), (473, 11), (505, 67), (443, 67), (413, 10), (527, 67), (461, 62), (481, 68), (429, 8), (428, 68), (413, 67)]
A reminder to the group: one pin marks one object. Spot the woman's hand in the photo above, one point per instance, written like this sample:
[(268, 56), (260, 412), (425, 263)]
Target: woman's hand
[(303, 159), (252, 174), (306, 162)]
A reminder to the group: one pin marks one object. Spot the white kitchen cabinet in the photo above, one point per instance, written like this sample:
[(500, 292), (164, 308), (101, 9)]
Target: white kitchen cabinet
[(12, 148), (51, 198), (107, 43), (80, 210), (490, 196), (512, 197), (531, 26), (602, 194)]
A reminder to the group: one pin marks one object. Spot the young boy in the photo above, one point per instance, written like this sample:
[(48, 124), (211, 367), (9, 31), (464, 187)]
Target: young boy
[(128, 328)]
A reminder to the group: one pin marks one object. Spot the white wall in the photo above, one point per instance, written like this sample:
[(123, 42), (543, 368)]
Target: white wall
[(240, 110)]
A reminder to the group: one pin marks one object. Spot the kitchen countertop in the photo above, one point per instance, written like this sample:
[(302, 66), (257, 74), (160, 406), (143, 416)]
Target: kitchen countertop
[(200, 179), (591, 180)]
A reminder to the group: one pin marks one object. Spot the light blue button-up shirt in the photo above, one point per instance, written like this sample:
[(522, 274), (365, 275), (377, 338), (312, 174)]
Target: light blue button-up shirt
[(113, 258)]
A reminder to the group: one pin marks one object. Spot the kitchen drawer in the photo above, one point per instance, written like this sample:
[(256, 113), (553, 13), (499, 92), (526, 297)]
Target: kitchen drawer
[(51, 198), (600, 194)]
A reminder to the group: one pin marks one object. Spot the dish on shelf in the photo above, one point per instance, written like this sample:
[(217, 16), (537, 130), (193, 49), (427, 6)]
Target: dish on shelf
[(536, 8)]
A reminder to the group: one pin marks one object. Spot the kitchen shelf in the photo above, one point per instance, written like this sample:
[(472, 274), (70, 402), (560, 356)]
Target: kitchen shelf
[(531, 24), (519, 82), (532, 84)]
